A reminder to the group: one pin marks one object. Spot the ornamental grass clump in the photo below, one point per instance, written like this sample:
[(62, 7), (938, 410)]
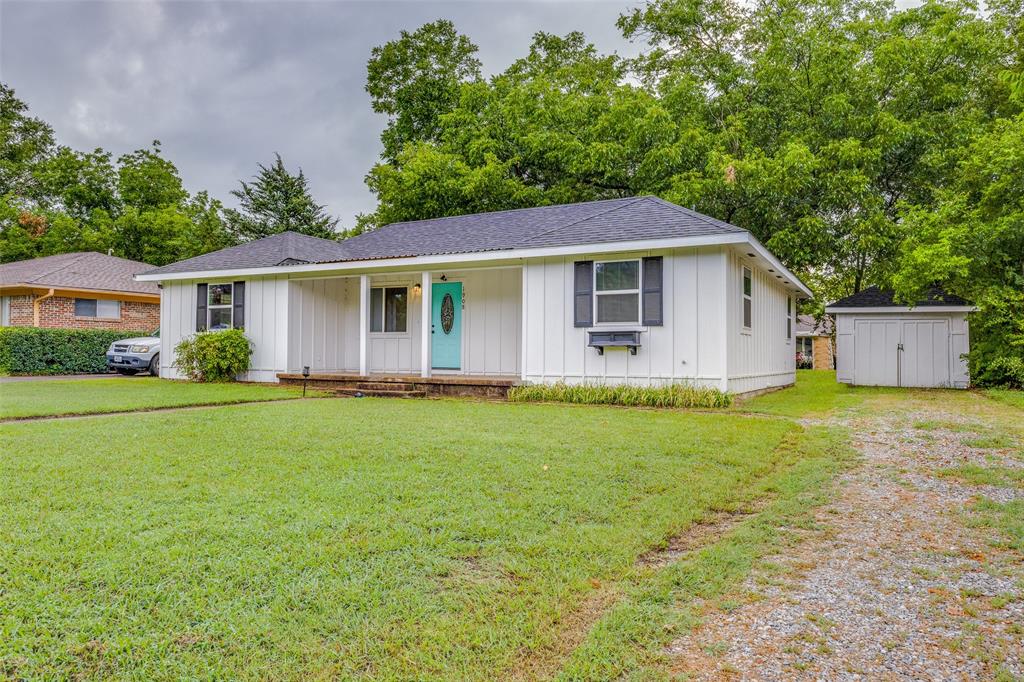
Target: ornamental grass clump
[(214, 356), (673, 395)]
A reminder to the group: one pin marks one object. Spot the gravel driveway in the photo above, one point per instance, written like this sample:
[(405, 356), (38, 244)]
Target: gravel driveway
[(896, 580)]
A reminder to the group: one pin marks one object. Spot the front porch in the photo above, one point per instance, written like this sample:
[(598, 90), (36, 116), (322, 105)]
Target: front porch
[(395, 327), (399, 386)]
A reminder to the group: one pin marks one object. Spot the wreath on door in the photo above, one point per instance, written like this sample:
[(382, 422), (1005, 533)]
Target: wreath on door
[(447, 313)]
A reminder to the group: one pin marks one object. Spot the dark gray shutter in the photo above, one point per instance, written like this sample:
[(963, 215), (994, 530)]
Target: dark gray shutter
[(238, 305), (201, 299), (584, 293), (653, 299)]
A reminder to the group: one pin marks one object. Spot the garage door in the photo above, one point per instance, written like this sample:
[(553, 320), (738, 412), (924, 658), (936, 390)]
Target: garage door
[(877, 345), (925, 360), (901, 352)]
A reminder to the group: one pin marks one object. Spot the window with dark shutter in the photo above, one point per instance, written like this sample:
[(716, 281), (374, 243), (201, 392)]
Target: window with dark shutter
[(201, 301), (652, 282), (238, 306), (583, 308)]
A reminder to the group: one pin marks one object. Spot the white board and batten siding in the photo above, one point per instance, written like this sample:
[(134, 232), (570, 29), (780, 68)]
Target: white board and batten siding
[(933, 343), (763, 355), (689, 346), (266, 322)]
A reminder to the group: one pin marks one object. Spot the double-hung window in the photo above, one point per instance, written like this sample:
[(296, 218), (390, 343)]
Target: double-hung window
[(747, 298), (218, 306), (389, 310), (617, 291), (104, 309), (789, 318)]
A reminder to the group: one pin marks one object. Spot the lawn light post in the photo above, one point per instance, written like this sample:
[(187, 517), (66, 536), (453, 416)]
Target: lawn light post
[(305, 376)]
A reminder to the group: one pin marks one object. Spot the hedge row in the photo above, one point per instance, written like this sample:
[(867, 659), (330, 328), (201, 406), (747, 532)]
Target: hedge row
[(28, 350)]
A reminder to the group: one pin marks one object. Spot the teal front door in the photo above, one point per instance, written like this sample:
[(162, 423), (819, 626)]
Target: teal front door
[(446, 325)]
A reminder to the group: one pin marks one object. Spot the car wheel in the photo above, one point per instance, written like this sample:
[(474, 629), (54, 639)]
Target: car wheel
[(126, 372), (154, 366)]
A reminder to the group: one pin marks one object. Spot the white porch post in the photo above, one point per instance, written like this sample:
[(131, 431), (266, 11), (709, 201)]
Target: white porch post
[(425, 323), (364, 322)]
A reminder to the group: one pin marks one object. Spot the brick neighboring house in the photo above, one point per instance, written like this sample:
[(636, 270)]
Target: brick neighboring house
[(814, 343), (80, 291)]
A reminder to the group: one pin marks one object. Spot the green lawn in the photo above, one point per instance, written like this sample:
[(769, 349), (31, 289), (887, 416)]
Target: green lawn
[(1007, 396), (89, 396), (371, 538), (816, 394)]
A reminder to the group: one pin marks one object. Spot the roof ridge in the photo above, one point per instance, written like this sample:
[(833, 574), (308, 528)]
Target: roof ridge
[(583, 220), (64, 264), (504, 210), (694, 214)]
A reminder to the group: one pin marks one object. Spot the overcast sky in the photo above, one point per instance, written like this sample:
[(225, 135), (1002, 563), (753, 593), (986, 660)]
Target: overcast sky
[(223, 85)]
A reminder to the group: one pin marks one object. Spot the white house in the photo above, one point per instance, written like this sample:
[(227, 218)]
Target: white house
[(883, 343), (634, 290)]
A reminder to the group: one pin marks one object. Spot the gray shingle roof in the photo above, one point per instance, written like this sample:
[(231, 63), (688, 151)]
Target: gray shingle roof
[(286, 248), (84, 270), (595, 222), (874, 297)]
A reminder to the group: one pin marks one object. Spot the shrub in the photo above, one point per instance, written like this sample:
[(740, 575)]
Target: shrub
[(1005, 371), (31, 350), (673, 395), (214, 356)]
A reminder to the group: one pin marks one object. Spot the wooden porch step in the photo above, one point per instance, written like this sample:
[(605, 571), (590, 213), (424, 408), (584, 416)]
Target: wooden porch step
[(379, 393)]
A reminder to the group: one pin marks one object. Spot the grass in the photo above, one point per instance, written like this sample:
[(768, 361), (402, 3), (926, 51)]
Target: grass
[(1006, 396), (974, 474), (91, 396), (815, 394), (371, 538), (628, 642), (674, 395), (1006, 518)]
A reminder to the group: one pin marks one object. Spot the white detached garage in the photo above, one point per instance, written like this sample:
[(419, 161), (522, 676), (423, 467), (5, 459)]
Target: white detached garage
[(882, 343)]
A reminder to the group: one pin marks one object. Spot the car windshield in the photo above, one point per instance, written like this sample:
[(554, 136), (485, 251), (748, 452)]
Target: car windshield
[(157, 333)]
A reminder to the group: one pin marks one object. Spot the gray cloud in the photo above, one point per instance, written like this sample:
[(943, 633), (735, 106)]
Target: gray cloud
[(223, 85)]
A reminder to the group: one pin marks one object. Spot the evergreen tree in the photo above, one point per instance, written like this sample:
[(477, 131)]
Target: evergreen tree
[(277, 201)]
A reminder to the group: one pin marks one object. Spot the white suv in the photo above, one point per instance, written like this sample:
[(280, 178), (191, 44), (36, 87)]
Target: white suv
[(131, 356)]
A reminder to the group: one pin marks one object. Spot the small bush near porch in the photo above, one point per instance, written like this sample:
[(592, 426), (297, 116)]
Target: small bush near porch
[(337, 539)]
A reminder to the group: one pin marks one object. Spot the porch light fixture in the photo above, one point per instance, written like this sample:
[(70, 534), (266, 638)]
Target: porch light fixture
[(416, 289), (305, 376)]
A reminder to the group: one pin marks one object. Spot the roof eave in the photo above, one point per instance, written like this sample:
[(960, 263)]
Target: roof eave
[(902, 309)]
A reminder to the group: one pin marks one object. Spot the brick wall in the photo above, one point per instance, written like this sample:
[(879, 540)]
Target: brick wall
[(59, 312), (821, 348)]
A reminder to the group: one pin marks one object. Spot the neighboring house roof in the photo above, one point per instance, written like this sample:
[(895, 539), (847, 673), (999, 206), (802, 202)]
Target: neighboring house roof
[(875, 297), (85, 270), (806, 325), (594, 222)]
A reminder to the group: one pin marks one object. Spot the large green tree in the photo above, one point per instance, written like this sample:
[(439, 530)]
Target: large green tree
[(277, 201), (416, 79)]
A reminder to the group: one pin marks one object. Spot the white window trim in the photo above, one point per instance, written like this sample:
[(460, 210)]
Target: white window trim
[(383, 312), (744, 296), (638, 291), (211, 307)]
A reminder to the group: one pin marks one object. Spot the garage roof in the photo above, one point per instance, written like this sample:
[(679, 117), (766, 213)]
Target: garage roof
[(876, 298)]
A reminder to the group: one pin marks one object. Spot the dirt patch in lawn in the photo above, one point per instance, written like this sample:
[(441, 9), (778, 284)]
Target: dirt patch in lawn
[(891, 582)]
